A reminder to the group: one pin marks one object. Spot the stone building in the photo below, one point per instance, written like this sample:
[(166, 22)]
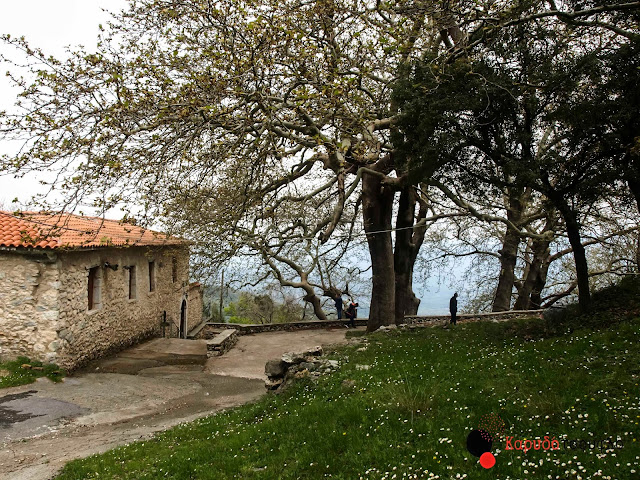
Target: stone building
[(74, 288)]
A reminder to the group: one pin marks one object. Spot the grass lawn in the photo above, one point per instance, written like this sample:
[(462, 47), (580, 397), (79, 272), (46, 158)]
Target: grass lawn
[(23, 371), (402, 406)]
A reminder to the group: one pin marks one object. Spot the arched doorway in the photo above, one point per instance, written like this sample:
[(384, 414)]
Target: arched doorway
[(183, 320)]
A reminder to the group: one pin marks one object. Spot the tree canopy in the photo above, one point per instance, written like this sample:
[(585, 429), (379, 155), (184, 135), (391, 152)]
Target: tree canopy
[(536, 108), (268, 128)]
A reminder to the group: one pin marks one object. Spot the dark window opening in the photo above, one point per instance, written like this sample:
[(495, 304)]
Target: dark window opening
[(183, 320), (132, 282), (174, 269), (93, 288), (152, 276)]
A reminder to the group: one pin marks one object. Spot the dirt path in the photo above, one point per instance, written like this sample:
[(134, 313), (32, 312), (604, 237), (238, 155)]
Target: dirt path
[(248, 357), (46, 425), (41, 457)]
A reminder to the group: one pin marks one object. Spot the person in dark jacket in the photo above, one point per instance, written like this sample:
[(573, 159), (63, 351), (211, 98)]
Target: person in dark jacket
[(338, 301), (351, 312), (453, 307)]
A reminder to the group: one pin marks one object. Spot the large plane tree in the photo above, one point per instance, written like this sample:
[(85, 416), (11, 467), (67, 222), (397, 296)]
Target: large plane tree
[(260, 124)]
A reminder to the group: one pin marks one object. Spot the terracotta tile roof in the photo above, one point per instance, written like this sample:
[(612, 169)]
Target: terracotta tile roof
[(64, 230)]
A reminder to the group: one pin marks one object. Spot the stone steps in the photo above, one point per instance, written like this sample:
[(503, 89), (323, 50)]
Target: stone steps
[(193, 333), (156, 352)]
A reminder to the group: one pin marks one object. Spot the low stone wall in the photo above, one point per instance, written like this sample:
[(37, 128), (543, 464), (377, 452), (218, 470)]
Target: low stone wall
[(199, 331), (208, 330), (222, 342), (474, 317)]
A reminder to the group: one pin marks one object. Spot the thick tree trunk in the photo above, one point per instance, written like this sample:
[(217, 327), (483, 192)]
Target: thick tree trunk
[(377, 209), (536, 272), (638, 253), (407, 246), (634, 186), (572, 227), (540, 250), (408, 303), (509, 253), (508, 257), (538, 286), (579, 254), (314, 300)]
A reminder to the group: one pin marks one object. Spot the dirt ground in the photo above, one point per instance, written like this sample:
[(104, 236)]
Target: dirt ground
[(133, 395)]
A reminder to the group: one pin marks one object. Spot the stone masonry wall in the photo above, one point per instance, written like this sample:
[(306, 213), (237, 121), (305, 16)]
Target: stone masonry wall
[(194, 309), (118, 321), (28, 306)]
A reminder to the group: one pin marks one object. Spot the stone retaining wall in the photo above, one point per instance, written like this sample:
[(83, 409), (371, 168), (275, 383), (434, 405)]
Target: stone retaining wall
[(209, 329), (474, 317)]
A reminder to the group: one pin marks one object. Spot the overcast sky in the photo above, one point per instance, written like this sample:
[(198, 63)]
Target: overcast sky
[(50, 25)]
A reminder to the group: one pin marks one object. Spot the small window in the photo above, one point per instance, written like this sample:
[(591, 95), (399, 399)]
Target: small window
[(94, 289), (132, 282), (174, 269), (152, 276)]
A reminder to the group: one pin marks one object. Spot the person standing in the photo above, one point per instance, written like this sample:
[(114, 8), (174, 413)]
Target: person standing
[(453, 307), (351, 313), (338, 301)]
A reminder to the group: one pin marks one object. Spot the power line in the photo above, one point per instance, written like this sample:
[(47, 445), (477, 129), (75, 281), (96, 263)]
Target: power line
[(344, 237)]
